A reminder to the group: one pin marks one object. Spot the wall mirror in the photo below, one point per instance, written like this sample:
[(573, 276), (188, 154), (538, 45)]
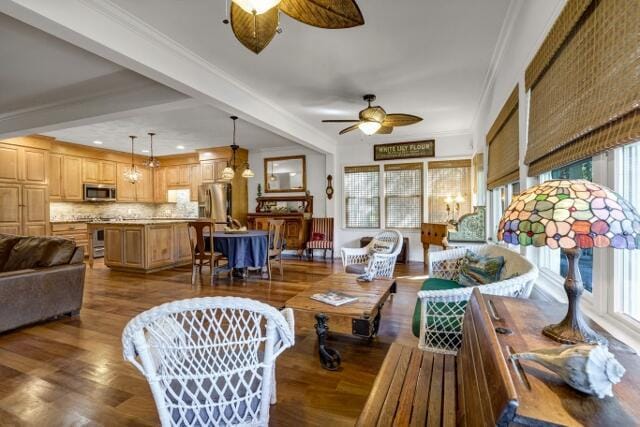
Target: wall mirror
[(285, 174)]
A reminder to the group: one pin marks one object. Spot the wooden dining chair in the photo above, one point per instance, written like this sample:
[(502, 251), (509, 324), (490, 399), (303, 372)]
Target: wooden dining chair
[(202, 249), (276, 244)]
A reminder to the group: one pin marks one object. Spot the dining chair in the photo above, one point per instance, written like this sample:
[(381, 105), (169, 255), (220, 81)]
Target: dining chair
[(202, 252), (210, 361), (276, 244), (321, 236)]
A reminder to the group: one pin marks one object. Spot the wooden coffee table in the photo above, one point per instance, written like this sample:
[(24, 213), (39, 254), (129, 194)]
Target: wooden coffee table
[(360, 318)]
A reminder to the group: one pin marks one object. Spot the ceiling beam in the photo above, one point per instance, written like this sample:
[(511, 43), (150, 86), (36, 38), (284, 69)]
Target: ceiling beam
[(105, 29)]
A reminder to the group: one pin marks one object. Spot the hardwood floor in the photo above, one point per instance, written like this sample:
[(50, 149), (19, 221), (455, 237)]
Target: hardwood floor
[(71, 371)]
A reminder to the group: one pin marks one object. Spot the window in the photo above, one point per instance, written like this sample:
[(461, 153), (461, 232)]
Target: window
[(362, 196), (553, 259), (627, 271), (449, 180), (403, 195), (501, 198)]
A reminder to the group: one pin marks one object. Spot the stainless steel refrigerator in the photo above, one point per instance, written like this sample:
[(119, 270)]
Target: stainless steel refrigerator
[(214, 202)]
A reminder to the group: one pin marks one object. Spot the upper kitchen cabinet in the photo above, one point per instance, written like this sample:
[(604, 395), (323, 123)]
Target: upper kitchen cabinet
[(144, 187), (211, 170), (98, 171), (65, 177), (178, 176), (126, 191), (196, 180), (24, 164), (160, 185), (71, 178)]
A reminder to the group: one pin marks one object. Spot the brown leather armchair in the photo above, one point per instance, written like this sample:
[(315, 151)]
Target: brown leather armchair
[(40, 278)]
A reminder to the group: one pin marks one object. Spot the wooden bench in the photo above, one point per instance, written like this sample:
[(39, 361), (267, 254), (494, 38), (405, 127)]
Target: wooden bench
[(419, 388)]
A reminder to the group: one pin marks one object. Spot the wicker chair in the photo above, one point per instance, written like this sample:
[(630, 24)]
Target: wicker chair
[(364, 260), (442, 311), (210, 361)]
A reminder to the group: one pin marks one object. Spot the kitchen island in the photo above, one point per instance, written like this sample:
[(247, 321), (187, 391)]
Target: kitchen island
[(143, 246)]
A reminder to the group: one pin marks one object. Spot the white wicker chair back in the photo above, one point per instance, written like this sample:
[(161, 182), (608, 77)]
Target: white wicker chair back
[(210, 361)]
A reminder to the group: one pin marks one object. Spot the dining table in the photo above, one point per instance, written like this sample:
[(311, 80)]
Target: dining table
[(243, 250)]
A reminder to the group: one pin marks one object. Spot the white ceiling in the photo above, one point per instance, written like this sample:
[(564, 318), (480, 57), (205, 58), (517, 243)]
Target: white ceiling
[(423, 57), (192, 128), (35, 65)]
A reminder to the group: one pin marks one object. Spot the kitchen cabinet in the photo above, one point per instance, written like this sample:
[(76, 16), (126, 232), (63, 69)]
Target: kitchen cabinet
[(25, 209), (211, 170), (98, 171), (126, 191), (160, 185), (145, 246), (196, 180), (55, 176), (9, 161), (144, 187), (65, 177), (178, 176), (23, 164), (71, 178)]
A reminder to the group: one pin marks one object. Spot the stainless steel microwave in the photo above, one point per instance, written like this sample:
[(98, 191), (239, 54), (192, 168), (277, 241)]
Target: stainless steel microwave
[(99, 193)]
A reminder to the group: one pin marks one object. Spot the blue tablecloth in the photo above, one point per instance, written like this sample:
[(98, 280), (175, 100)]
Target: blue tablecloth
[(243, 250)]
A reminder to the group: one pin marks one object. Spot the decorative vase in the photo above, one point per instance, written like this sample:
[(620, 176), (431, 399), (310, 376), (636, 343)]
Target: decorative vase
[(259, 190), (592, 369)]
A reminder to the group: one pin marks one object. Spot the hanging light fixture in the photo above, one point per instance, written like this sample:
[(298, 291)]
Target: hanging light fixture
[(229, 172), (152, 162), (132, 174)]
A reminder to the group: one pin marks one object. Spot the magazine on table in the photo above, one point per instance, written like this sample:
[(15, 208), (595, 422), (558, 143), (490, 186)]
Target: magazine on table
[(334, 298)]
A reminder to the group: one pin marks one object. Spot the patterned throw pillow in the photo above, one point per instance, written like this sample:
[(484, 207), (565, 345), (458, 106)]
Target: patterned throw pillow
[(317, 236), (480, 270), (381, 247)]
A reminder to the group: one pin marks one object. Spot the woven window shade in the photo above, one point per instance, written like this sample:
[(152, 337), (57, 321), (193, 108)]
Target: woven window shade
[(362, 196), (403, 195), (503, 140), (448, 179), (585, 84)]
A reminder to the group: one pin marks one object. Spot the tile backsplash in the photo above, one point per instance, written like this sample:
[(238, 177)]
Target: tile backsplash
[(182, 208)]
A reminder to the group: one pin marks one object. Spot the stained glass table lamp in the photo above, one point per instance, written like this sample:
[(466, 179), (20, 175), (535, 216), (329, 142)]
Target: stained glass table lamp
[(571, 215)]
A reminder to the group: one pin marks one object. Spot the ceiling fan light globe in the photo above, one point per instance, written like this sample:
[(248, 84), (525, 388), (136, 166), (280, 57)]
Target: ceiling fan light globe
[(369, 128), (259, 6)]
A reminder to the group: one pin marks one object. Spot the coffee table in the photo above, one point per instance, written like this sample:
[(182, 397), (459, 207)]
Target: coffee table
[(360, 318)]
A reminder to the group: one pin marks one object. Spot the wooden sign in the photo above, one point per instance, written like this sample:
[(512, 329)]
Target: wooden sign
[(404, 150)]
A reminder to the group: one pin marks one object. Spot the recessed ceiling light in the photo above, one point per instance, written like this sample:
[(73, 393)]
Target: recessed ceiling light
[(145, 151), (97, 142), (180, 147)]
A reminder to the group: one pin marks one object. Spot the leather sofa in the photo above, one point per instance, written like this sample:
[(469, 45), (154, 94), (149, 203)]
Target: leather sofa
[(40, 278)]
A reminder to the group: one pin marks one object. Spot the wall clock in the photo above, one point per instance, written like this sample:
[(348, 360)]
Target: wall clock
[(329, 189)]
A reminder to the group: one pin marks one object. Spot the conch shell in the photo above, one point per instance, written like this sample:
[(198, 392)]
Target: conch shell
[(592, 369)]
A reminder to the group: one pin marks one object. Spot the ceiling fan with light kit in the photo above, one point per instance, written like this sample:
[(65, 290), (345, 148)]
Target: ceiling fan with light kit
[(256, 22), (375, 120)]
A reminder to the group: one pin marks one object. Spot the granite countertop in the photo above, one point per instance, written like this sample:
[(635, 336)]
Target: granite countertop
[(141, 221)]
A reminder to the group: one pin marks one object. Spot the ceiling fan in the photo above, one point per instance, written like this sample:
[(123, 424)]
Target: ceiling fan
[(256, 22), (375, 120)]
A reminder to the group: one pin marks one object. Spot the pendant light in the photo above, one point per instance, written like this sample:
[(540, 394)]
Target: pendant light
[(152, 162), (229, 172), (132, 174)]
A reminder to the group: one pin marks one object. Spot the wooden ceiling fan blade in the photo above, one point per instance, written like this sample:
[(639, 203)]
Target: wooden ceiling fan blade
[(341, 121), (255, 32), (385, 130), (349, 129), (324, 13), (397, 119)]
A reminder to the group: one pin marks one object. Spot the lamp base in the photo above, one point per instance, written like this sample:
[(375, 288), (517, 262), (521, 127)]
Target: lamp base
[(573, 329)]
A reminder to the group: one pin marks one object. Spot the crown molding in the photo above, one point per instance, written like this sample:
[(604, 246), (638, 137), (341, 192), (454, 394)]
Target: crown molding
[(498, 53)]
